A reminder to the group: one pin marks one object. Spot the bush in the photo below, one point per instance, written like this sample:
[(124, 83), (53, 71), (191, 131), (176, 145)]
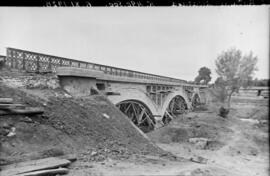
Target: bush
[(223, 112)]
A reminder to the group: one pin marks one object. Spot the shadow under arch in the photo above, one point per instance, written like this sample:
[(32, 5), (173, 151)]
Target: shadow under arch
[(139, 113), (175, 104)]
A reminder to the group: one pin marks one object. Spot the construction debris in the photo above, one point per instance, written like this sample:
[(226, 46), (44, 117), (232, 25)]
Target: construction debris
[(46, 172), (106, 115), (27, 111), (6, 100), (10, 106), (51, 165), (7, 107)]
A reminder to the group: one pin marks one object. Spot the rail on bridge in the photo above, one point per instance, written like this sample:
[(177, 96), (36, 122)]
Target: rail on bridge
[(146, 99), (37, 62)]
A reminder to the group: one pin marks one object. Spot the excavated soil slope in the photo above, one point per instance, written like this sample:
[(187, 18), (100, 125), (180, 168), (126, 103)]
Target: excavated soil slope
[(91, 127), (237, 145)]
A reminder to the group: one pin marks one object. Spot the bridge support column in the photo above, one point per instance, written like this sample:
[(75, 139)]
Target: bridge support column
[(78, 82)]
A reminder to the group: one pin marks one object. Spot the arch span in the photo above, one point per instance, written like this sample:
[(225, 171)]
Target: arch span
[(176, 102), (138, 113), (171, 96), (138, 95)]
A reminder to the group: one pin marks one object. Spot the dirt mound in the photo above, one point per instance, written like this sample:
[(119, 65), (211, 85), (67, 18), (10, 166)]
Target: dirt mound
[(92, 127)]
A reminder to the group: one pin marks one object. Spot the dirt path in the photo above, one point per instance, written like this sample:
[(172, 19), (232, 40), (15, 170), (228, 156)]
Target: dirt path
[(237, 157), (240, 155)]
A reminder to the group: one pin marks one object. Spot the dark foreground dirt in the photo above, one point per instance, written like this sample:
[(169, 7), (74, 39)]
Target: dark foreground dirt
[(91, 128)]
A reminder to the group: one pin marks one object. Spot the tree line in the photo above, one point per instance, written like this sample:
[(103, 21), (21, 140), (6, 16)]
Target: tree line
[(235, 70)]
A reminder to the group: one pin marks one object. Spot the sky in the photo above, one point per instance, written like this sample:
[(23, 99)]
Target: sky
[(168, 41)]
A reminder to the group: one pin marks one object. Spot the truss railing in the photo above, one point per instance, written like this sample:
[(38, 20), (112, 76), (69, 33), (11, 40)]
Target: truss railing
[(37, 62)]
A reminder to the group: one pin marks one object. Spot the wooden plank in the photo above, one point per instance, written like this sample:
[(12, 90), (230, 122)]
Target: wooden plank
[(46, 172), (34, 162), (8, 106), (28, 111), (6, 100), (34, 165)]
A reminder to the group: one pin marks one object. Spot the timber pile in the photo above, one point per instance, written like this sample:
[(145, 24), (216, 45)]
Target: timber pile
[(8, 107), (46, 166)]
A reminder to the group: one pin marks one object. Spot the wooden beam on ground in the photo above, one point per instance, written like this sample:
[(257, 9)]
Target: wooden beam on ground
[(34, 165), (6, 100), (27, 111), (9, 106), (46, 172)]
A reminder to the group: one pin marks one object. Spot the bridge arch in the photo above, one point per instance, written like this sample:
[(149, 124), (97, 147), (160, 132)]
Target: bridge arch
[(137, 95), (137, 106), (138, 98), (178, 94), (138, 113)]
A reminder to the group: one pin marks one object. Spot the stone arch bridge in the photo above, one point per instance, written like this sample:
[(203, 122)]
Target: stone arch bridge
[(147, 99)]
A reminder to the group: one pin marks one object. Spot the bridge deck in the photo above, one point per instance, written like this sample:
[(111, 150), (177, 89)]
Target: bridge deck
[(99, 75), (37, 62)]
